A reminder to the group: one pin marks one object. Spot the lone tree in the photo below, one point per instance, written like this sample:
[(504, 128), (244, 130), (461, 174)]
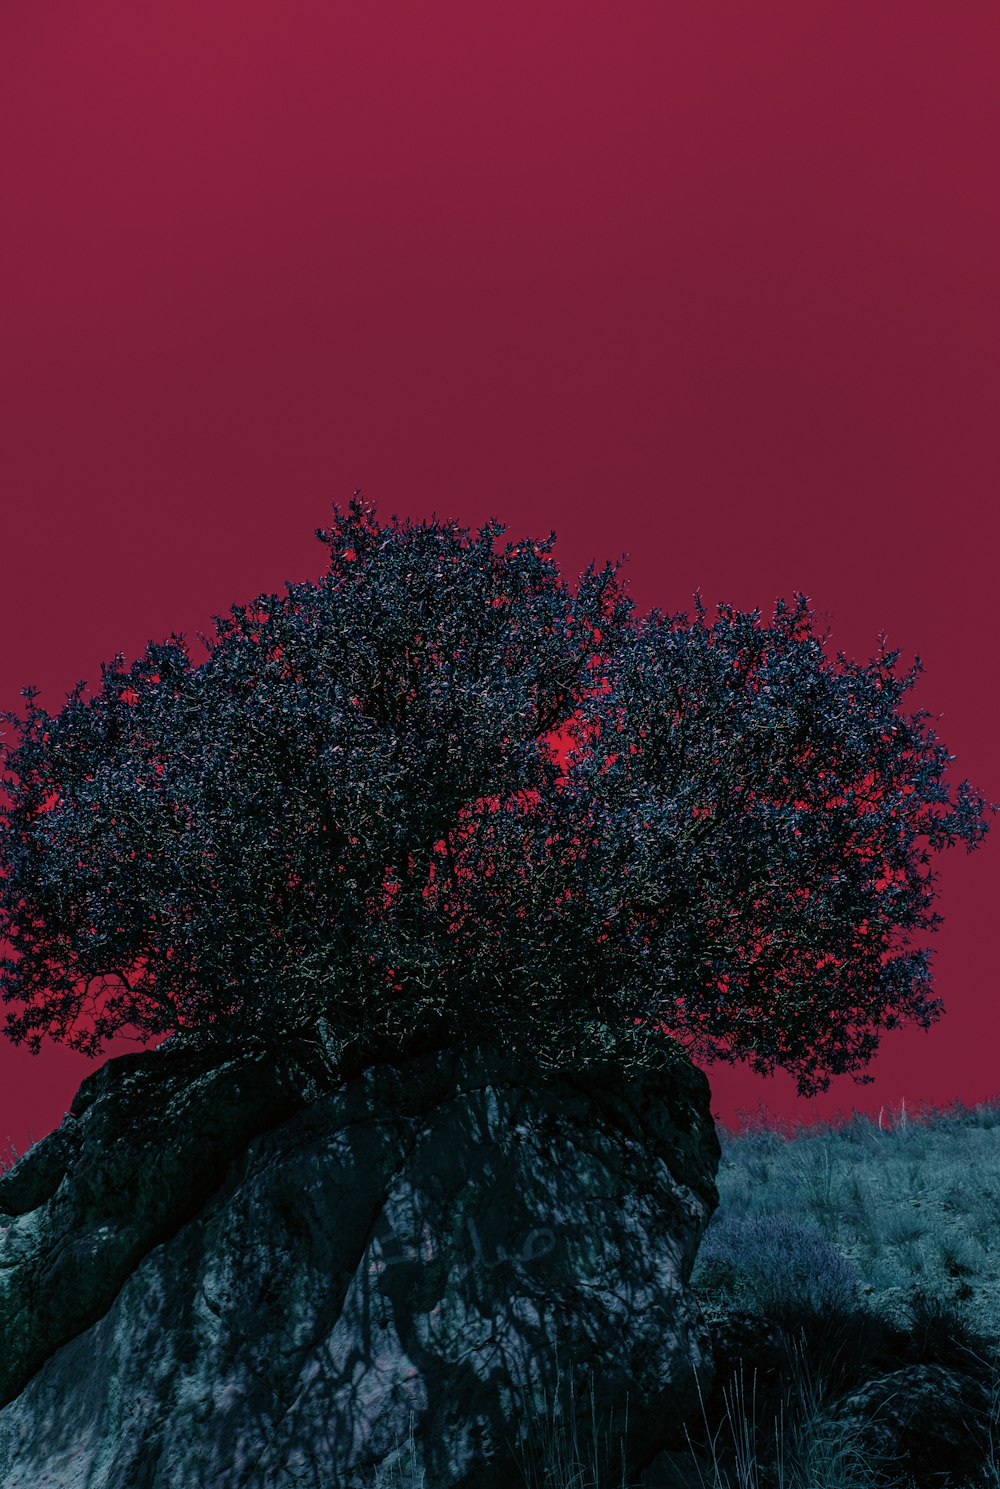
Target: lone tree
[(352, 819)]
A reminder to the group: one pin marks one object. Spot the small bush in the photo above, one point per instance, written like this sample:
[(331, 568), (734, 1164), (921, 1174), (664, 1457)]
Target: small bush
[(787, 1269)]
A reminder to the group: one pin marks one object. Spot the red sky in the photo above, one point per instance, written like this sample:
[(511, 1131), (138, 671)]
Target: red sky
[(710, 284)]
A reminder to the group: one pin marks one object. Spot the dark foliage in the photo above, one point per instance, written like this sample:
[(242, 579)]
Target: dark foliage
[(787, 1269), (351, 813)]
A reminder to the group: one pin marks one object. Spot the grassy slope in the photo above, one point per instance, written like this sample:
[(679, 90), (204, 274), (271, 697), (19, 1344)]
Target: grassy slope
[(913, 1205)]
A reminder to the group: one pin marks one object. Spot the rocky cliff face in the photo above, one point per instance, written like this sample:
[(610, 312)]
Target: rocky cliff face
[(257, 1274)]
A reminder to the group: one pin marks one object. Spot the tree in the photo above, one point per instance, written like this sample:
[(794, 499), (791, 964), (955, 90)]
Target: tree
[(352, 818)]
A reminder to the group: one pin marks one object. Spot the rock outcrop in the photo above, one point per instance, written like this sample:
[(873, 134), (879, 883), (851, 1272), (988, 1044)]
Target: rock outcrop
[(931, 1421), (256, 1273)]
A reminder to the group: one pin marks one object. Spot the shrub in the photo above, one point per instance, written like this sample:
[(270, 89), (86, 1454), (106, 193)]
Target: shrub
[(353, 815), (784, 1269)]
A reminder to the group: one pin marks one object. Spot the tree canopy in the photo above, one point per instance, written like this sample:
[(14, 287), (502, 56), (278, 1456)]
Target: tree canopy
[(353, 816)]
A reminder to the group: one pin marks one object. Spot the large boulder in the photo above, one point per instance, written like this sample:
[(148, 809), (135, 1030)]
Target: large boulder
[(148, 1139), (256, 1273), (931, 1421)]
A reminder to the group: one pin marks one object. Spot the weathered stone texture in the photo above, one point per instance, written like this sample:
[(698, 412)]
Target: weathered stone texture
[(235, 1278)]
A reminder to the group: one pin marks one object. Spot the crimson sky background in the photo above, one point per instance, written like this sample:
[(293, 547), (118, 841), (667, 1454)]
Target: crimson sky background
[(711, 284)]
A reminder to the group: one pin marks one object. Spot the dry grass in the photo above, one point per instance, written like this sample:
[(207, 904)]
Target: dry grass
[(913, 1202)]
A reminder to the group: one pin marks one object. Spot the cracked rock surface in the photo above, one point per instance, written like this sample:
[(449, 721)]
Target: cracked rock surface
[(253, 1274)]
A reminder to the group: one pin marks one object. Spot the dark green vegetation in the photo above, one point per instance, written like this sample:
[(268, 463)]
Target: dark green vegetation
[(350, 813)]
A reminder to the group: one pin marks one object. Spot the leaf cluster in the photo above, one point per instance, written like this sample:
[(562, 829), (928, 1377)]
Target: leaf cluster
[(351, 819)]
